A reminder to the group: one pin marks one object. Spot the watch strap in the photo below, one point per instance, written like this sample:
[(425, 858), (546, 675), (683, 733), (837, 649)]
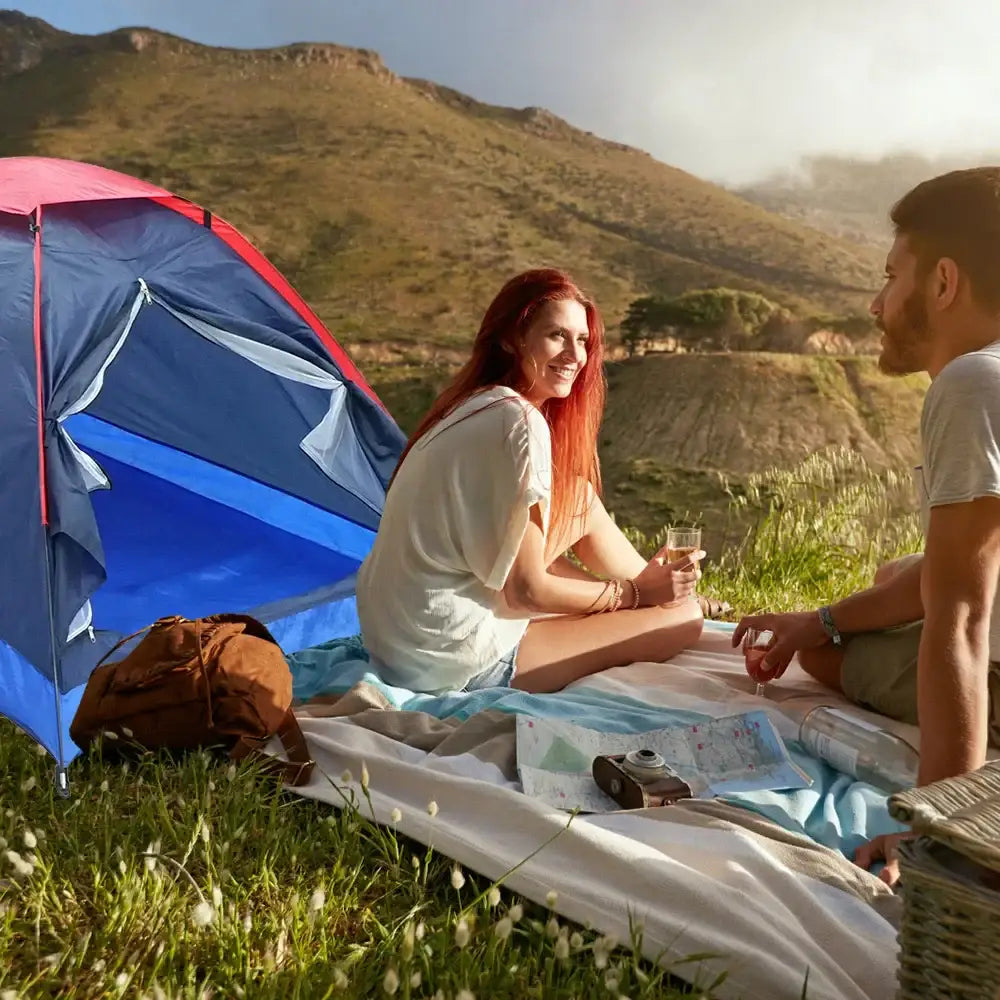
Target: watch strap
[(826, 617)]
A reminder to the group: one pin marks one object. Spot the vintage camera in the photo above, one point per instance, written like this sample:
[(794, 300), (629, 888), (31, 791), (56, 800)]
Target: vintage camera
[(639, 779)]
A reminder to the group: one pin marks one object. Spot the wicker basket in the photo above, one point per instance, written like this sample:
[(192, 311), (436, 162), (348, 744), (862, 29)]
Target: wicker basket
[(950, 932)]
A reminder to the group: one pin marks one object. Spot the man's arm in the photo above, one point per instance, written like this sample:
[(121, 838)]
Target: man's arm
[(898, 601), (959, 582), (895, 602)]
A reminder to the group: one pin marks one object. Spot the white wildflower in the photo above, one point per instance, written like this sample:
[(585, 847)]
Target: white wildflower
[(550, 899), (52, 960), (127, 732), (9, 814), (395, 816), (432, 808), (122, 867), (406, 947), (40, 750), (600, 957), (415, 980), (391, 981), (108, 735), (609, 943), (247, 923), (98, 966), (552, 928), (462, 933), (420, 931), (104, 785), (439, 995), (612, 980), (493, 896), (202, 915), (364, 777), (29, 783), (121, 980), (465, 995), (231, 772), (415, 861), (281, 947), (211, 786), (561, 949), (516, 912), (21, 867), (30, 840), (428, 951), (204, 832), (576, 940), (125, 768), (502, 928), (317, 900), (340, 980), (216, 896), (457, 878), (346, 777), (181, 802)]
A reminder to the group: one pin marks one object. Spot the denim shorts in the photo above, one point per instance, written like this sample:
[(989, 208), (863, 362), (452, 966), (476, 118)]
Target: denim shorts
[(500, 674)]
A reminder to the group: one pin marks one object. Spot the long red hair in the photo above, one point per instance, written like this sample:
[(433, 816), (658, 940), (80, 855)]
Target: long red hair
[(573, 421)]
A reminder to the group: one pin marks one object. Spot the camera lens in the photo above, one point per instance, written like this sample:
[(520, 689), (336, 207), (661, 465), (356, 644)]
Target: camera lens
[(644, 758)]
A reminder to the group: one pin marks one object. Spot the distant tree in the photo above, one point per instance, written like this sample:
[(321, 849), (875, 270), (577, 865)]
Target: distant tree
[(701, 319)]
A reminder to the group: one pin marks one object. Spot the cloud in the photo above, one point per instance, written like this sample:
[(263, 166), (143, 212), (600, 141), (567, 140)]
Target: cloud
[(728, 89)]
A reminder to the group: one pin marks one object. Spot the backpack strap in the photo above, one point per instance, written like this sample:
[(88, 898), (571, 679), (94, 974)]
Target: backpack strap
[(297, 770), (159, 623)]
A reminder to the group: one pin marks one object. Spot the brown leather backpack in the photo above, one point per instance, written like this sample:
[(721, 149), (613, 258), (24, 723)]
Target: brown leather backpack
[(197, 683)]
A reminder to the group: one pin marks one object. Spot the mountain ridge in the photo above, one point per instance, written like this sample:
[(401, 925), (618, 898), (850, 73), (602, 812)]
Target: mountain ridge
[(346, 174)]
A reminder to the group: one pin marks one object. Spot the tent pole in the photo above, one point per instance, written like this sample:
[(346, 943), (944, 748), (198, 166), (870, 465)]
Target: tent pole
[(35, 228), (61, 780)]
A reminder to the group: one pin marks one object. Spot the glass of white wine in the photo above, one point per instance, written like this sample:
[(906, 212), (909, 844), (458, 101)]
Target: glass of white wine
[(682, 542)]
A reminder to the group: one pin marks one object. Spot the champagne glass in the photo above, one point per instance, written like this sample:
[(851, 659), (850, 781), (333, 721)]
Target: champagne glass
[(682, 542), (756, 643)]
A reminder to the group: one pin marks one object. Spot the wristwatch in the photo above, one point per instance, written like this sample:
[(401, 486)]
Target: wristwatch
[(830, 626)]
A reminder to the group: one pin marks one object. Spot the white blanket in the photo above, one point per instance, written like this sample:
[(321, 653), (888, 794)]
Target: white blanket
[(694, 884)]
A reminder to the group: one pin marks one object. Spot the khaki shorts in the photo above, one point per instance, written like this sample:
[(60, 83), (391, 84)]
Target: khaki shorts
[(880, 672)]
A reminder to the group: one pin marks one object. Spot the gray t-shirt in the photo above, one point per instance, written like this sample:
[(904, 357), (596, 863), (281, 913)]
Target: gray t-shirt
[(960, 439)]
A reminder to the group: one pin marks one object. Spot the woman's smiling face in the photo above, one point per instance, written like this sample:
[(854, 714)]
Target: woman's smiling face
[(553, 350)]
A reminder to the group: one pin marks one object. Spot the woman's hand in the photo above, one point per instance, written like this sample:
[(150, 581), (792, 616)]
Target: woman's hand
[(668, 583)]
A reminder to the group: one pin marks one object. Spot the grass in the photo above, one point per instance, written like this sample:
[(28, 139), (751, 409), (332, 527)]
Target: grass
[(198, 879)]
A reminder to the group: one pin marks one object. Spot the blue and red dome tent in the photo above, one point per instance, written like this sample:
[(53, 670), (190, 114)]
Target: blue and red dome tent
[(179, 434)]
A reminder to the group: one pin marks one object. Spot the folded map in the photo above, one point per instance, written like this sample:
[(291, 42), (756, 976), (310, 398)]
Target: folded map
[(737, 753)]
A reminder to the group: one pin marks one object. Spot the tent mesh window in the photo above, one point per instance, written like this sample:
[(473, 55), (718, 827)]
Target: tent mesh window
[(950, 932)]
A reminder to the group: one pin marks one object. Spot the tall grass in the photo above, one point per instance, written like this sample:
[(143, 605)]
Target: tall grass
[(199, 879), (817, 532)]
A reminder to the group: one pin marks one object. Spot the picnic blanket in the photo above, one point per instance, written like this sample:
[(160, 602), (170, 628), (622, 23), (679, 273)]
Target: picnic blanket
[(760, 880)]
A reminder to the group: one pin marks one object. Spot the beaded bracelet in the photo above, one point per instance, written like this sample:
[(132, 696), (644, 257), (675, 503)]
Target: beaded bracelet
[(635, 594)]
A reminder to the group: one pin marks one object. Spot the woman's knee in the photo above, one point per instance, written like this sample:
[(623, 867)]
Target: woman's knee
[(685, 620)]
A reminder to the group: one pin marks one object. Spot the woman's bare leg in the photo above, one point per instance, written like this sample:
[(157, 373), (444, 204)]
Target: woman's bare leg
[(556, 651)]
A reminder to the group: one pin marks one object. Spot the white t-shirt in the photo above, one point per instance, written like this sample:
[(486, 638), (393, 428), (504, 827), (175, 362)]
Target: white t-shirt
[(960, 438), (429, 593)]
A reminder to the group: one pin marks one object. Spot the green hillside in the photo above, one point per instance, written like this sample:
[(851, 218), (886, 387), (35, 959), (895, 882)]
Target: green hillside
[(397, 206)]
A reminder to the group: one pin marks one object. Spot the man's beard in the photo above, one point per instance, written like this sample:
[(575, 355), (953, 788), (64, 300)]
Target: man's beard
[(903, 351)]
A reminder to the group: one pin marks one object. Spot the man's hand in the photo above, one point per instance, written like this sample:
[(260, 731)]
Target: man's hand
[(793, 630), (884, 848)]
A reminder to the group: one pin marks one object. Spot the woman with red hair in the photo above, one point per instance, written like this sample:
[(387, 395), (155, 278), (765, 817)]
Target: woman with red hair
[(467, 585)]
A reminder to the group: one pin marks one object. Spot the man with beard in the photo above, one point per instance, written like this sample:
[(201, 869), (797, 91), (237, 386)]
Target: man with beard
[(923, 644)]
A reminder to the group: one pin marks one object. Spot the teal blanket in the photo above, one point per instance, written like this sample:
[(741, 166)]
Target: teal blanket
[(836, 810)]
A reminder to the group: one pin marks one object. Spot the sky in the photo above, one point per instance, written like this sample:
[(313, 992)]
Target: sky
[(731, 90)]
